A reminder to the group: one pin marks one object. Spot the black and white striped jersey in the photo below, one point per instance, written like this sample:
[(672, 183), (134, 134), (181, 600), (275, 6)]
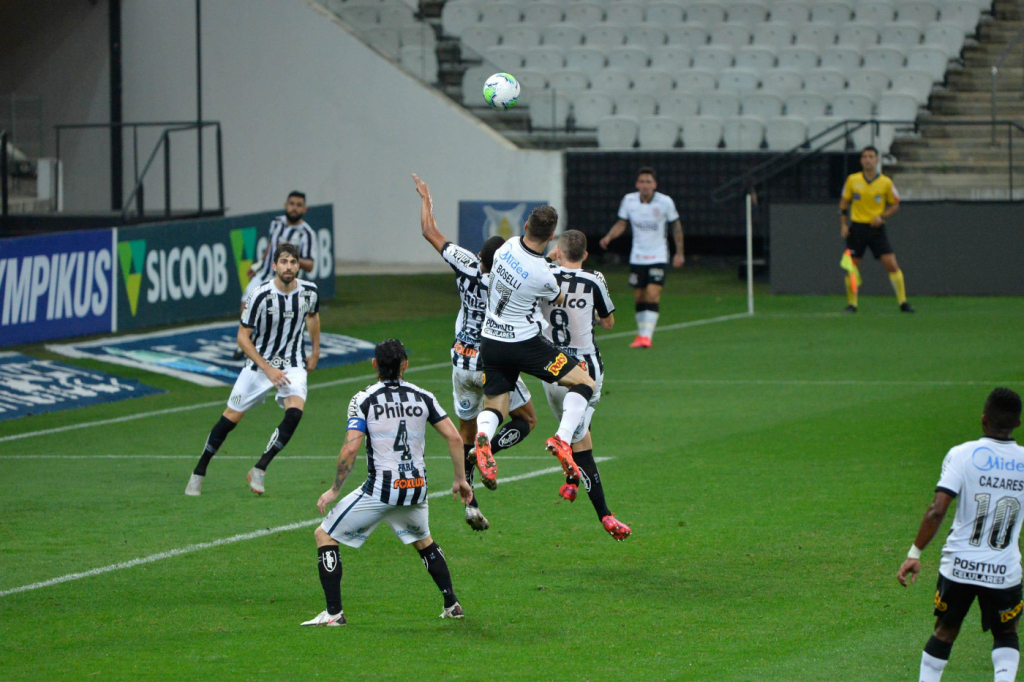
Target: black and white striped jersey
[(301, 235), (473, 292), (394, 416), (279, 322), (572, 323)]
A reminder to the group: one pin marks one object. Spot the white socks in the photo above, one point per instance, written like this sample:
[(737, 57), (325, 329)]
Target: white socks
[(931, 667), (646, 321), (488, 423), (1005, 661), (573, 408)]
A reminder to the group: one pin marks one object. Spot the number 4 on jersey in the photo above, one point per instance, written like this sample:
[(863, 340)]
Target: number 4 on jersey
[(402, 442)]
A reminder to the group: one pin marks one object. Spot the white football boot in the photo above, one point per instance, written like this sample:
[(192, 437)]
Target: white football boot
[(476, 519), (195, 486), (328, 620), (255, 477), (453, 611)]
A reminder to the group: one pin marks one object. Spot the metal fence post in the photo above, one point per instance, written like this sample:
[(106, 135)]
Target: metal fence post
[(167, 174), (3, 173)]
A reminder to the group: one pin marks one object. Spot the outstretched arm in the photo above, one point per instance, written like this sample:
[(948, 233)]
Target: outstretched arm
[(617, 229), (346, 458), (929, 527), (460, 487), (427, 222)]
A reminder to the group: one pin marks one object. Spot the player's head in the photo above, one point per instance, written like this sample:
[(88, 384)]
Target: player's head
[(286, 261), (869, 159), (390, 360), (542, 223), (1002, 413), (573, 246), (487, 252), (295, 206), (646, 182)]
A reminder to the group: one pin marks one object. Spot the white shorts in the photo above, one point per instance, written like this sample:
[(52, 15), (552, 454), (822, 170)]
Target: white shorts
[(252, 386), (257, 280), (468, 390), (556, 394), (354, 518)]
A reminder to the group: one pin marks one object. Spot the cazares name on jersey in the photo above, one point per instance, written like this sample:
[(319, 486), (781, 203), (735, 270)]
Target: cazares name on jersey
[(397, 411)]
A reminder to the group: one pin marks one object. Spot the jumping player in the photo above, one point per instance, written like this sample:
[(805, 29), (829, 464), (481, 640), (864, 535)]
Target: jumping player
[(271, 335), (393, 414), (981, 555)]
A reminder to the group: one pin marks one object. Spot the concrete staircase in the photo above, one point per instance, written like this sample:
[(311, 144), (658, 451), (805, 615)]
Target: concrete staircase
[(950, 161)]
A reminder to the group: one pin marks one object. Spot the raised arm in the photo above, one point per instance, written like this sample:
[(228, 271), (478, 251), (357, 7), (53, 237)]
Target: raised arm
[(929, 527), (617, 229), (346, 459), (427, 222), (460, 487)]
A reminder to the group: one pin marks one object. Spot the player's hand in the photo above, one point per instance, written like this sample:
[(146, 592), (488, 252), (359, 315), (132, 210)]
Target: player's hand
[(877, 221), (555, 255), (311, 360), (910, 567), (421, 187), (844, 231), (605, 242), (251, 273), (278, 377), (327, 498), (461, 490), (678, 260)]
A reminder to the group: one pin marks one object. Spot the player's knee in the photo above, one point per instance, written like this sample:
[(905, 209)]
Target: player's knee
[(292, 417), (584, 390), (946, 634), (530, 418), (322, 538)]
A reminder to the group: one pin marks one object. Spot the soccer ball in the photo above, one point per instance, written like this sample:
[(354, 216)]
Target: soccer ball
[(501, 91)]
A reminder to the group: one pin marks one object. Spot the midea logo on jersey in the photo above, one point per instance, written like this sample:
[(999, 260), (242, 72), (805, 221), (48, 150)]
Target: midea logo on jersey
[(397, 410), (984, 459), (514, 264)]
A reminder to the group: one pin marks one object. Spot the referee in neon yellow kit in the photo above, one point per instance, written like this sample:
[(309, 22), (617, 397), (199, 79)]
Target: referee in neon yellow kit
[(873, 199)]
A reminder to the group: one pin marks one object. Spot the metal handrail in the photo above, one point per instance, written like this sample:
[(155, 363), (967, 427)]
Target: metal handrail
[(995, 76), (3, 173)]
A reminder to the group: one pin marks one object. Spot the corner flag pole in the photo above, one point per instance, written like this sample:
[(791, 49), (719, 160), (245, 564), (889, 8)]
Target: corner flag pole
[(750, 254)]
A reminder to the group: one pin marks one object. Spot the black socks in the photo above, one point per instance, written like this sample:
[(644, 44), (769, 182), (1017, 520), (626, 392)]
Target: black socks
[(216, 438), (282, 434), (510, 434), (591, 479), (330, 577), (470, 470), (433, 559)]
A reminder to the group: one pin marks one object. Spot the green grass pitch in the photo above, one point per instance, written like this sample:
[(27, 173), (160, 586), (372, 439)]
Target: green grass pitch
[(773, 469)]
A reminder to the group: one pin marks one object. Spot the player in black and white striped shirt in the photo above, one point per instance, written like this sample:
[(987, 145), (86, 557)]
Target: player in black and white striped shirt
[(271, 335), (392, 415)]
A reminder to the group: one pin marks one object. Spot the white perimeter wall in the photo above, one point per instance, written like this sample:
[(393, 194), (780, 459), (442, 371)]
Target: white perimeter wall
[(306, 105)]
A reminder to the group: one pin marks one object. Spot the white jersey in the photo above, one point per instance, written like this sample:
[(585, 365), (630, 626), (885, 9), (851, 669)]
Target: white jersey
[(278, 321), (394, 416), (572, 322), (473, 292), (520, 280), (983, 546), (649, 221), (301, 236)]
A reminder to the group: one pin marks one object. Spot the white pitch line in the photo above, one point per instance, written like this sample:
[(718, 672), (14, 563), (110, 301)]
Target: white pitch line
[(189, 549), (197, 406), (681, 325)]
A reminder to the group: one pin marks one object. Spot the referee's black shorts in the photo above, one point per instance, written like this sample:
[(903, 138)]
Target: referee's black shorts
[(863, 237), (504, 360)]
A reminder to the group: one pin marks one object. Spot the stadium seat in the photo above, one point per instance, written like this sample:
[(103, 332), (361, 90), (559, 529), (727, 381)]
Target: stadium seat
[(783, 133), (568, 80), (876, 13), (664, 14), (472, 78), (565, 36), (645, 36), (678, 104), (500, 14), (782, 82), (897, 107), (918, 12), (963, 13), (671, 58), (702, 133), (544, 58), (743, 133), (929, 58), (623, 13), (859, 35), (589, 59), (817, 126), (478, 38), (549, 110), (852, 106), (396, 16), (712, 57), (420, 34), (762, 106), (628, 58), (917, 84), (658, 132), (584, 14), (521, 37), (800, 59), (635, 104), (719, 105), (841, 58), (730, 35), (737, 80), (949, 36), (590, 107), (758, 59), (610, 81), (901, 34), (420, 62), (705, 13), (384, 40), (834, 13), (747, 12), (617, 132), (772, 35), (887, 59), (689, 36), (696, 81), (604, 36), (652, 81), (359, 15), (869, 82), (794, 13), (542, 14), (505, 58), (816, 35), (824, 82), (806, 105), (532, 81)]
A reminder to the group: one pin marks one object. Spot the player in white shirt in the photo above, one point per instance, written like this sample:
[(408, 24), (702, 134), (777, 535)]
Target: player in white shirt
[(981, 555), (649, 213), (572, 331), (393, 414), (512, 342)]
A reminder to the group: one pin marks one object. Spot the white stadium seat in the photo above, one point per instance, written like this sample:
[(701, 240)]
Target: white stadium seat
[(359, 15), (858, 35), (505, 58), (590, 107), (628, 58), (420, 62), (690, 37), (806, 106), (748, 12), (664, 14), (852, 106), (385, 40), (842, 58), (949, 36), (658, 132), (743, 133), (705, 13), (604, 36), (635, 104), (900, 33), (521, 37), (671, 58), (565, 36), (610, 81), (772, 35), (396, 16), (918, 12), (531, 81), (917, 84), (869, 81), (589, 59), (782, 82), (623, 13), (758, 59), (702, 133), (801, 59), (472, 84), (678, 104), (963, 13), (420, 34), (783, 133), (648, 37), (653, 81), (816, 35), (542, 14), (738, 80), (497, 13), (617, 132), (719, 104), (544, 58), (887, 59), (897, 107), (696, 81), (730, 35), (712, 57), (876, 14), (762, 106), (834, 13), (549, 110), (819, 125), (794, 13), (824, 82), (568, 80), (584, 14), (930, 59)]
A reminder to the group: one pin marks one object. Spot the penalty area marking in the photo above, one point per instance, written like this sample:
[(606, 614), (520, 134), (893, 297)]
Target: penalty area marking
[(681, 325), (189, 549)]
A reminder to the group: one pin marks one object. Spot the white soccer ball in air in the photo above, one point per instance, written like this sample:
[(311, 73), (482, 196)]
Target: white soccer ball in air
[(501, 91)]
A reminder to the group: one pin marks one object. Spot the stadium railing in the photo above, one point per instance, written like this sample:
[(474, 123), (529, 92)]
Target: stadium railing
[(3, 173)]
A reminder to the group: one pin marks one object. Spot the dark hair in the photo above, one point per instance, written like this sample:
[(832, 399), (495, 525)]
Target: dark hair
[(869, 149), (542, 223), (573, 245), (296, 193), (487, 252), (1003, 409), (389, 354), (645, 170), (286, 247)]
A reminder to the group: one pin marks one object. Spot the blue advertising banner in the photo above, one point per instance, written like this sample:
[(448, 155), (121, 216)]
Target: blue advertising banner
[(29, 386), (479, 220), (201, 354), (57, 285)]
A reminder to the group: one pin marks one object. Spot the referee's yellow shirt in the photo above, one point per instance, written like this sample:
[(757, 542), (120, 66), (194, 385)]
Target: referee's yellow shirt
[(869, 199)]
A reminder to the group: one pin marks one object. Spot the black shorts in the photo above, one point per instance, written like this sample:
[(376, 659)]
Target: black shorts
[(998, 606), (862, 237), (503, 361), (642, 275)]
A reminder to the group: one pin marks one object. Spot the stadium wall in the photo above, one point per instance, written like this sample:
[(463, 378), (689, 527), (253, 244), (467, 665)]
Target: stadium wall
[(944, 247)]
